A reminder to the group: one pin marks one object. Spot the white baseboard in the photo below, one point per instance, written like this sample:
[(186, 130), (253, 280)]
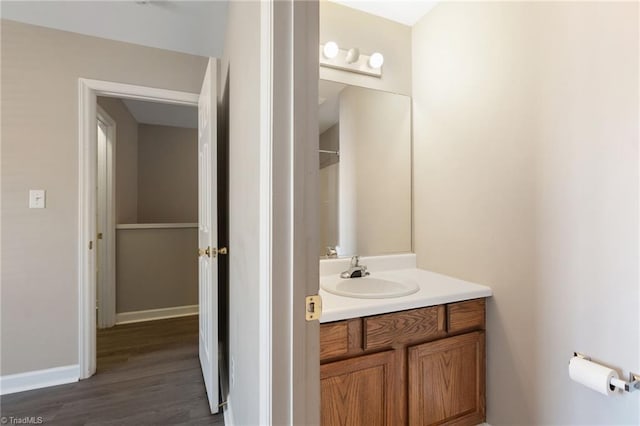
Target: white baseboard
[(37, 379), (156, 314)]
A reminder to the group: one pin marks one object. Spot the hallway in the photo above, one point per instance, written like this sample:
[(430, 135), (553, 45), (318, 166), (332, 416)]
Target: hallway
[(148, 374)]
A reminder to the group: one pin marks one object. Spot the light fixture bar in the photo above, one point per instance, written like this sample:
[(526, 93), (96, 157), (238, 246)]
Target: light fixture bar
[(340, 61)]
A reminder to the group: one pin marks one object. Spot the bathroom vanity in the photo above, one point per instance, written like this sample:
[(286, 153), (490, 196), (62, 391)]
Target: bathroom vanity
[(398, 345), (417, 359)]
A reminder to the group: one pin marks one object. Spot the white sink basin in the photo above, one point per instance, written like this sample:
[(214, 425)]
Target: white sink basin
[(368, 287)]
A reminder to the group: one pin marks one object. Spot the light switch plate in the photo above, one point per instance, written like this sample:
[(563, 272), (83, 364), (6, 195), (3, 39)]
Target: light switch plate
[(37, 198)]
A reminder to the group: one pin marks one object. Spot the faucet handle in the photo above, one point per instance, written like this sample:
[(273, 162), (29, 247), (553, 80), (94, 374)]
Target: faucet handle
[(331, 252), (355, 261)]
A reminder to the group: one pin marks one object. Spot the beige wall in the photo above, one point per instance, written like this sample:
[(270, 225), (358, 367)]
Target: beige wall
[(526, 180), (375, 173), (352, 28), (40, 71), (156, 182), (126, 159), (167, 174), (173, 279), (156, 169)]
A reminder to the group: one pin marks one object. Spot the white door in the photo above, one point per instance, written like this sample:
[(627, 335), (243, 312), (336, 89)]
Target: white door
[(208, 235)]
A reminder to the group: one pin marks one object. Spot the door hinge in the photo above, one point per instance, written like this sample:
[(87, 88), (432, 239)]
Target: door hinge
[(313, 308)]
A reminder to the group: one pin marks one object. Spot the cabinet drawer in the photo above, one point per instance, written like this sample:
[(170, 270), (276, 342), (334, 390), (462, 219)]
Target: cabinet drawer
[(464, 316), (340, 338), (404, 327)]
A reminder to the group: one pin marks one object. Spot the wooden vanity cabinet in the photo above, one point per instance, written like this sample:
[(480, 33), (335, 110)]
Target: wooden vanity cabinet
[(422, 366)]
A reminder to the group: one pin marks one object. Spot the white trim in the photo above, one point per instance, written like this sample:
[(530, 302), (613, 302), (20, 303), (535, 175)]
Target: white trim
[(143, 93), (86, 229), (155, 225), (265, 240), (107, 292), (294, 274), (156, 314), (282, 215), (88, 90), (227, 414), (37, 379), (304, 281)]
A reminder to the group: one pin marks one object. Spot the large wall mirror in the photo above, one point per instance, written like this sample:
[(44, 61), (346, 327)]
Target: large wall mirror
[(365, 170)]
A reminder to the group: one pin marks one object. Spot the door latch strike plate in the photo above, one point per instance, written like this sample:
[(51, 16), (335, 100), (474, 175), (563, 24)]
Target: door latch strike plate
[(313, 309)]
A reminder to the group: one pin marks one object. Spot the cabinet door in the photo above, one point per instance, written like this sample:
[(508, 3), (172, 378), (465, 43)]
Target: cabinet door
[(358, 391), (447, 380)]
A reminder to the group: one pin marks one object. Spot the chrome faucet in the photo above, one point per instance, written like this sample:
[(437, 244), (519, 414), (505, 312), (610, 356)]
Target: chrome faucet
[(356, 270)]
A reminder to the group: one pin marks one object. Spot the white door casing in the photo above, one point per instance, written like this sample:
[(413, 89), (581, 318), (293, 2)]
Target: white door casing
[(87, 147), (208, 234), (88, 90), (292, 109)]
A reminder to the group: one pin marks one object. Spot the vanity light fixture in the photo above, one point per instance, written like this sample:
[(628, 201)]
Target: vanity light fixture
[(353, 55), (330, 50), (376, 60), (331, 56)]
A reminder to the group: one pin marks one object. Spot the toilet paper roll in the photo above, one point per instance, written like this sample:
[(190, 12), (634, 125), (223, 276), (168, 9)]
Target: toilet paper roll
[(592, 375)]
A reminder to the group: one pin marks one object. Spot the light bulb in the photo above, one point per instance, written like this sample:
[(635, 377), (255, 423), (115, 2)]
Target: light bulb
[(376, 60), (330, 50)]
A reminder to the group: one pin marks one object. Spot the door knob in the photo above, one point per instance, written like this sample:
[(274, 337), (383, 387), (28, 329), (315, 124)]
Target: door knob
[(211, 253)]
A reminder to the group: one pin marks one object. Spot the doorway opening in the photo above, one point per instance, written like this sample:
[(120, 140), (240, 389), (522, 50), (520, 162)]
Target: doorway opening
[(166, 249), (147, 267)]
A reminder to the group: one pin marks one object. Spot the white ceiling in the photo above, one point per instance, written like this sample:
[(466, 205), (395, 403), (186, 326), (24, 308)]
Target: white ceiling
[(406, 12), (195, 27), (163, 114)]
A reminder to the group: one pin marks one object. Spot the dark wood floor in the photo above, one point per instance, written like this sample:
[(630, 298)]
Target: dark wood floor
[(148, 374)]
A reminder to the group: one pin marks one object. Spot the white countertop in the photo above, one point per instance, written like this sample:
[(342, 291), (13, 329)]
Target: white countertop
[(435, 289)]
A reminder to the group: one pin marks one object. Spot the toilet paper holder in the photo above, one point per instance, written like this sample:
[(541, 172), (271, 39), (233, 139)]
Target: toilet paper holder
[(632, 385)]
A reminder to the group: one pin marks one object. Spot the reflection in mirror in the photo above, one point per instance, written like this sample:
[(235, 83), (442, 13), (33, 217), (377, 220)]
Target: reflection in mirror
[(365, 171)]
